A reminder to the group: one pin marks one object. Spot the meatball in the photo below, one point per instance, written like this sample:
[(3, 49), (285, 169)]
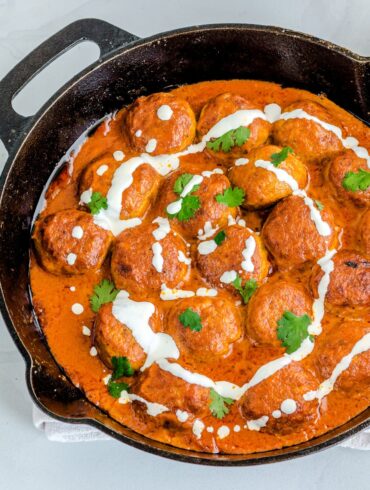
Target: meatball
[(349, 281), (364, 233), (266, 399), (69, 242), (262, 188), (141, 264), (136, 199), (241, 252), (268, 304), (159, 124), (308, 138), (291, 235), (113, 339), (159, 386), (220, 327), (336, 344), (338, 167), (224, 105), (210, 213)]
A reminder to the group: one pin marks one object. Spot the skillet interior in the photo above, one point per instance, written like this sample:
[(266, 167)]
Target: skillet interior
[(185, 56)]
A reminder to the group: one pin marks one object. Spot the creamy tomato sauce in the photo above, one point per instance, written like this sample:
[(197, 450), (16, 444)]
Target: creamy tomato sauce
[(236, 355)]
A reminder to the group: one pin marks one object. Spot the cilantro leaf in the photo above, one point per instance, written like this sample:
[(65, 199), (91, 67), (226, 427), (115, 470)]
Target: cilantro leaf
[(279, 157), (292, 330), (115, 389), (220, 237), (190, 318), (218, 405), (121, 367), (97, 202), (247, 290), (183, 181), (104, 292), (357, 181), (189, 206), (234, 137), (231, 197), (319, 205)]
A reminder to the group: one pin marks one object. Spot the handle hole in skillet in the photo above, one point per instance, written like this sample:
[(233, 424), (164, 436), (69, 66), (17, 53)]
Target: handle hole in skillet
[(43, 85)]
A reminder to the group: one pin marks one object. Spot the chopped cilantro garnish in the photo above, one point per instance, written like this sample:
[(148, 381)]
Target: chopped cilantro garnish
[(319, 205), (104, 292), (121, 367), (190, 318), (357, 181), (115, 389), (97, 202), (234, 137), (182, 181), (189, 203), (218, 405), (220, 237), (247, 290), (231, 197), (279, 157), (292, 330)]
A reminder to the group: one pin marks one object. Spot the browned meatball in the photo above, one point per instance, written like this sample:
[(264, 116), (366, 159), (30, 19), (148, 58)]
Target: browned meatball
[(291, 235), (160, 123), (113, 339), (233, 255), (337, 169), (364, 233), (308, 138), (262, 188), (134, 266), (136, 199), (209, 211), (349, 281), (224, 105), (69, 242), (336, 344), (159, 386), (220, 327), (268, 304), (264, 399)]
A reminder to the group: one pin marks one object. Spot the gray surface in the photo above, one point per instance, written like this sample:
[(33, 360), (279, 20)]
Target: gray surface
[(27, 459)]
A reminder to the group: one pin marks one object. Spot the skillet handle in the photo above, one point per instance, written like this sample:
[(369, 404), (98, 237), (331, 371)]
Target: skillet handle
[(105, 35)]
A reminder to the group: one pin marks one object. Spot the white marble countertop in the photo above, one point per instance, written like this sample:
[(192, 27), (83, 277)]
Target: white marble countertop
[(28, 460)]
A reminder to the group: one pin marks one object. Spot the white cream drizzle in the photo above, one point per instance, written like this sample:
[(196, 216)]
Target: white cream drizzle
[(118, 155), (168, 294), (175, 206), (101, 170), (77, 308), (223, 431), (163, 228), (327, 265), (77, 232), (207, 231), (182, 416), (327, 386), (86, 331), (157, 259), (164, 112), (288, 406), (152, 408), (198, 428), (241, 161), (181, 257), (257, 424), (228, 277), (151, 145), (248, 252), (206, 292), (207, 247), (71, 258)]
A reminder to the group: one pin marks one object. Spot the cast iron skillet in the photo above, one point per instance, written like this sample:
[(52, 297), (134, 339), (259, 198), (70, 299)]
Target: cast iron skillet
[(130, 67)]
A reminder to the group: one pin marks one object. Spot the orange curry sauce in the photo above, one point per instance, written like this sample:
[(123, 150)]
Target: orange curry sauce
[(54, 295)]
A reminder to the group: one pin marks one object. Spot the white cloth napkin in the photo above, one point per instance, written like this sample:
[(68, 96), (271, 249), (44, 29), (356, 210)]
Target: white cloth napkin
[(63, 432)]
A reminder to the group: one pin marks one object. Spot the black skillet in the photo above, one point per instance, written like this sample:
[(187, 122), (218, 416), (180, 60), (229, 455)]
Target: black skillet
[(130, 67)]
